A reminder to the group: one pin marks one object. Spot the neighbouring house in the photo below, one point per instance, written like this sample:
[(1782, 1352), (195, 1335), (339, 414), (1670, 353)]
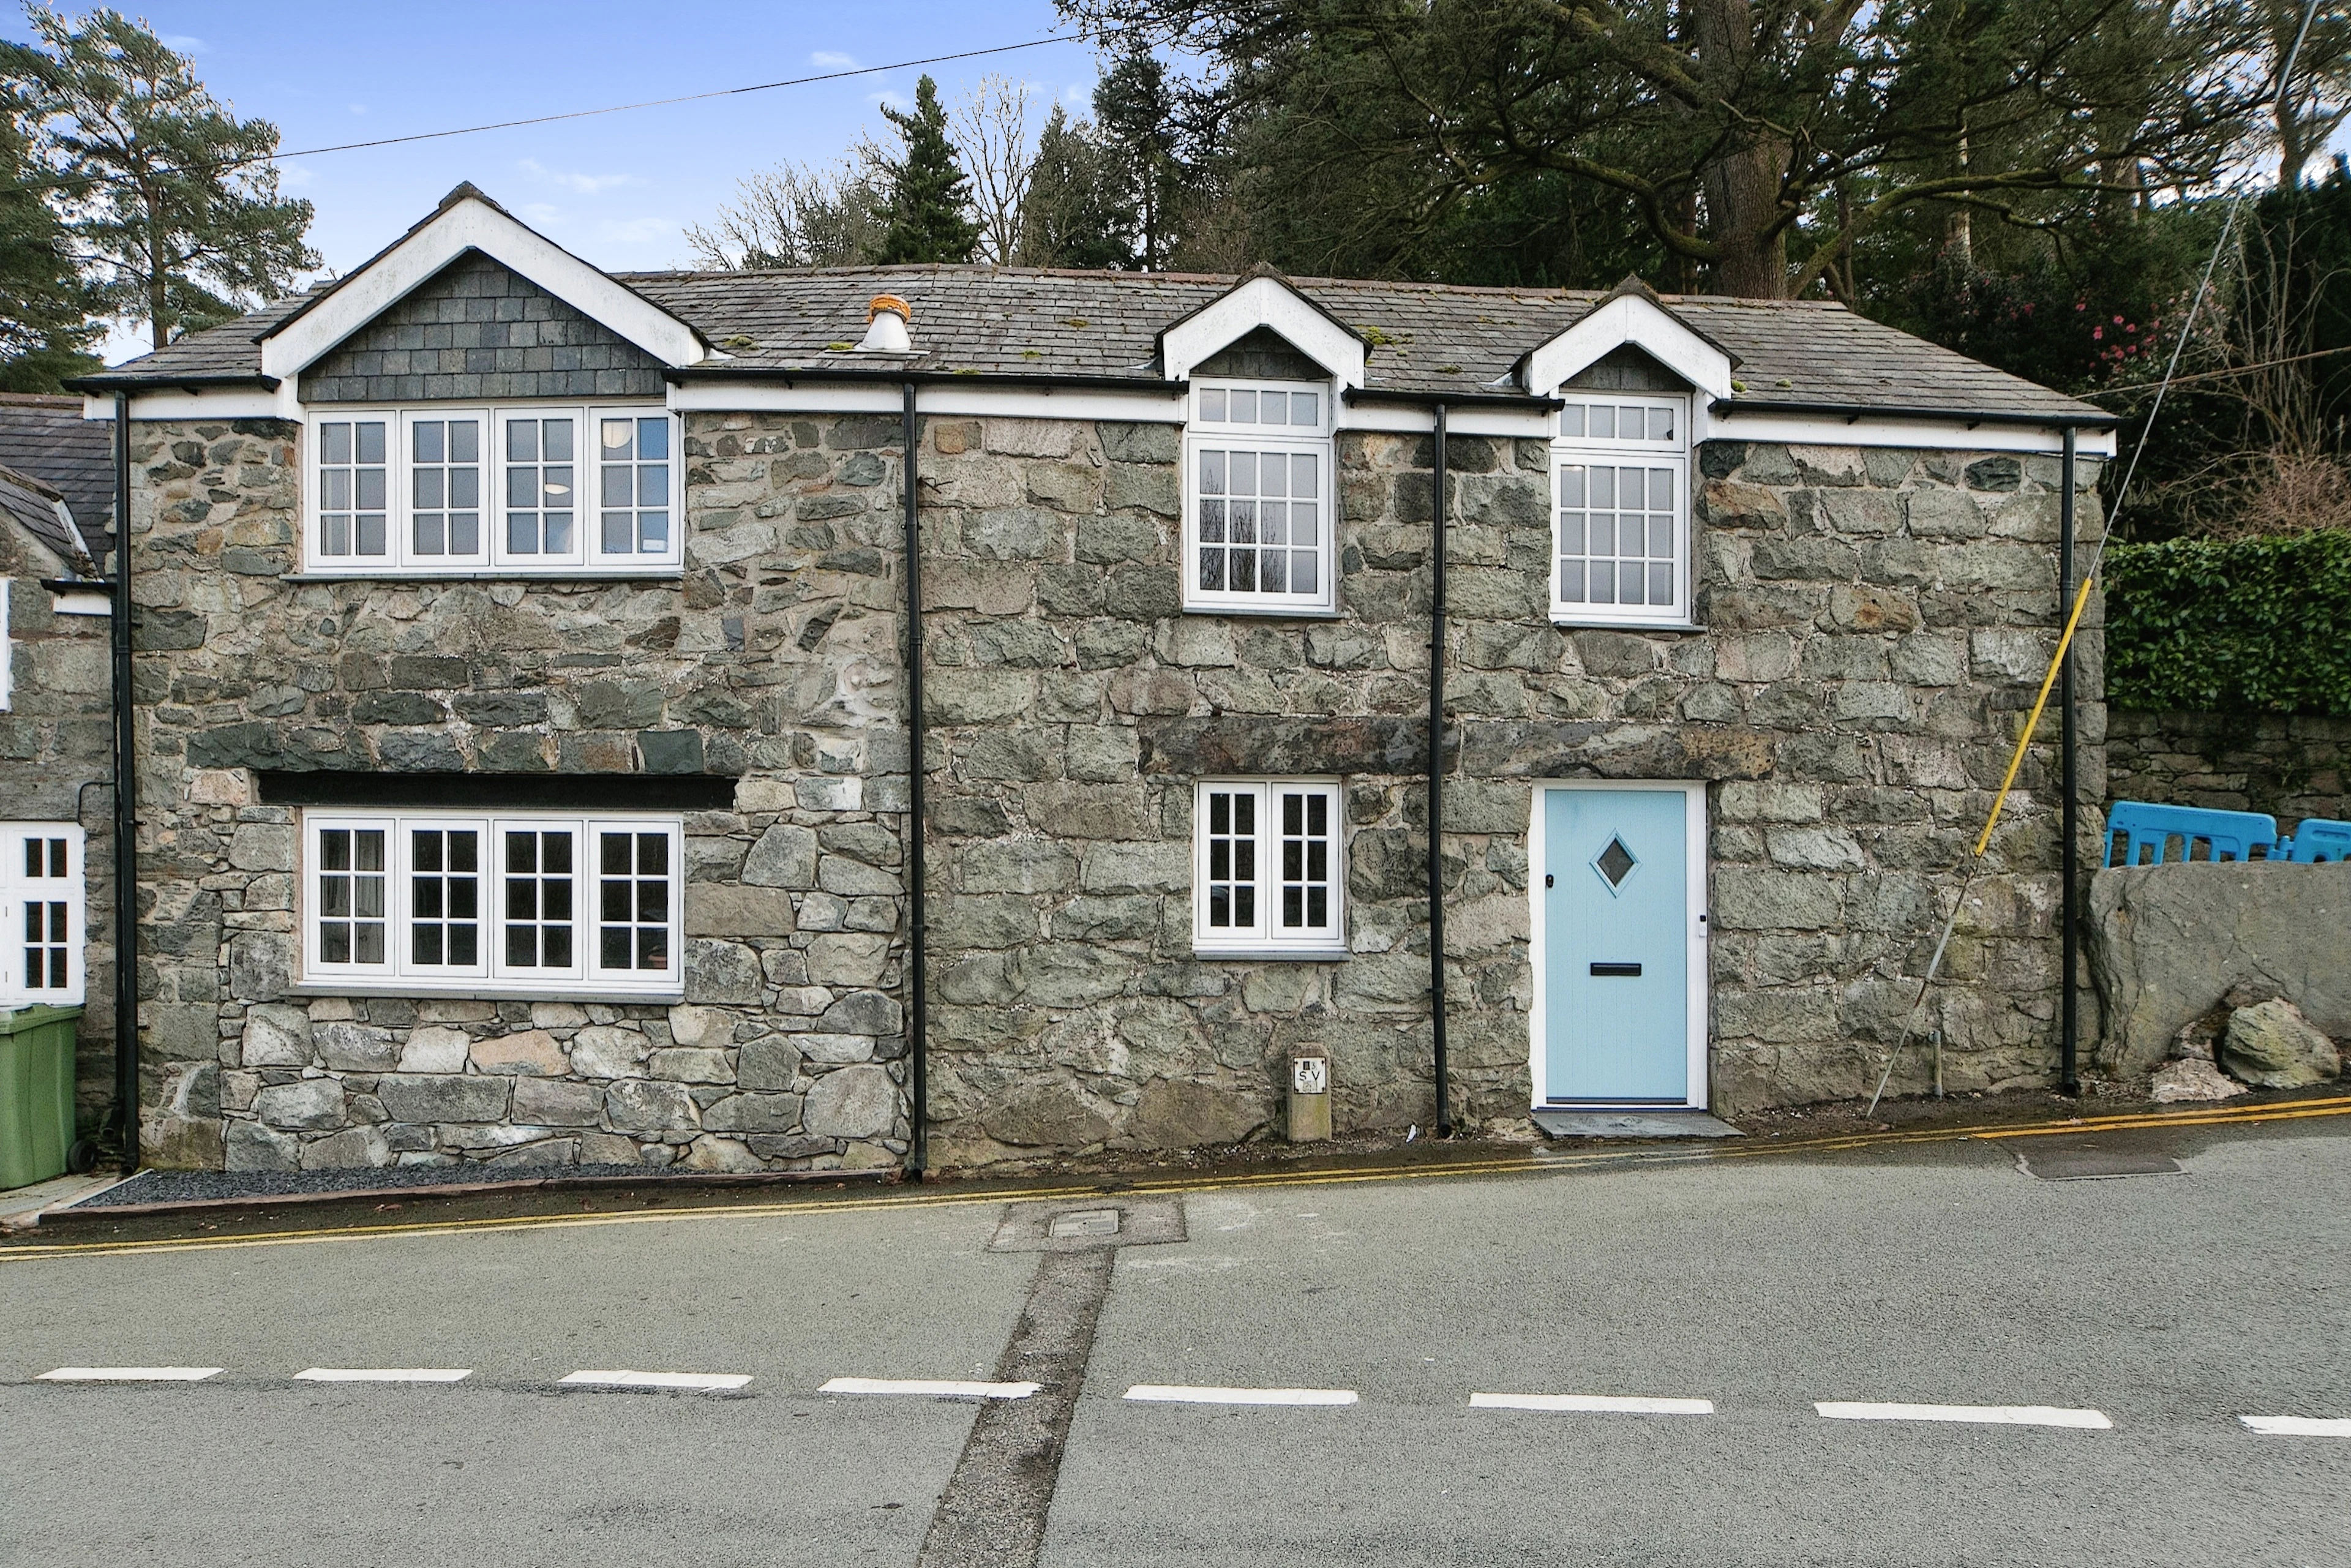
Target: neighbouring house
[(530, 773), (56, 743)]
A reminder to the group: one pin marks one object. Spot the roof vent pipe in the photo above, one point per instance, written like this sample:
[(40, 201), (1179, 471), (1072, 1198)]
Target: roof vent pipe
[(886, 316)]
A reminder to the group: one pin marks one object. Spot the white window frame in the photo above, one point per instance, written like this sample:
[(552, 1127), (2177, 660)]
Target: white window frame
[(586, 557), (8, 646), (491, 973), (1615, 452), (19, 889), (1203, 434), (1265, 936)]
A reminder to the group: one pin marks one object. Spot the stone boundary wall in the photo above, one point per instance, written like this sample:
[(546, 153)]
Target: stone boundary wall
[(2291, 766)]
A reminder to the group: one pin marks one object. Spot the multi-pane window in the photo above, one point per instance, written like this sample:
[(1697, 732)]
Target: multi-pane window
[(41, 913), (444, 485), (528, 490), (1621, 510), (1257, 497), (633, 485), (451, 901), (353, 483), (1268, 873)]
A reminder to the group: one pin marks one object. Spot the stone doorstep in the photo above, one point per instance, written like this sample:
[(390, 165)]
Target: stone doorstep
[(22, 1208), (51, 1218)]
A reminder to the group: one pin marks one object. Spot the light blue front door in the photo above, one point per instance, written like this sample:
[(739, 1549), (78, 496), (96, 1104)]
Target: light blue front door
[(1616, 946)]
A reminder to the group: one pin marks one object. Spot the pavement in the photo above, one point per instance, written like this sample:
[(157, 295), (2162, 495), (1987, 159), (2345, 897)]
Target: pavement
[(2023, 1360)]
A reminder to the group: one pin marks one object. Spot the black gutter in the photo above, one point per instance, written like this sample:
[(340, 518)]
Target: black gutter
[(126, 809), (163, 381), (2070, 1027), (1458, 400), (1437, 514), (1852, 412), (679, 375), (918, 1010)]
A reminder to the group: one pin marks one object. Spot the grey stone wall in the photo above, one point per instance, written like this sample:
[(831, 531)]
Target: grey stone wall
[(2291, 766), (57, 762), (1878, 619), (788, 1050), (477, 332)]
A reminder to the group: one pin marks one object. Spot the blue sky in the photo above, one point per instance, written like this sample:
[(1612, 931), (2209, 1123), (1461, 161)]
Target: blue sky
[(617, 189)]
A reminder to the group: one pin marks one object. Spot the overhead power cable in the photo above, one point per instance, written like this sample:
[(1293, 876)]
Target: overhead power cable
[(227, 164), (2081, 599)]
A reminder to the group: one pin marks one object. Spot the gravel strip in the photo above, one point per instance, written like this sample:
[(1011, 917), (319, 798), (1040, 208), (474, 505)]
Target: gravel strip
[(198, 1187)]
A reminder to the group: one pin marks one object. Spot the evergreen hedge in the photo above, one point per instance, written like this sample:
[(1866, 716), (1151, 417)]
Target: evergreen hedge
[(2207, 626)]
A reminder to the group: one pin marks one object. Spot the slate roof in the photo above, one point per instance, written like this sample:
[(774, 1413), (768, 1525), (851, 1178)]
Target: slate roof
[(45, 440), (35, 507), (1425, 339)]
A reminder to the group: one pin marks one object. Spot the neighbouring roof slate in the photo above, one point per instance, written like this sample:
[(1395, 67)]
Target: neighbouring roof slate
[(47, 439), (1425, 339)]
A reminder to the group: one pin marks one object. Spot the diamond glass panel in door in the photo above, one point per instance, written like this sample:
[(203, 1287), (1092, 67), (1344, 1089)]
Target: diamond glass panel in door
[(539, 898), (445, 891), (47, 941), (352, 488), (1305, 859), (445, 486), (540, 497), (1232, 860), (633, 485), (632, 898), (350, 896), (1617, 533), (1260, 521)]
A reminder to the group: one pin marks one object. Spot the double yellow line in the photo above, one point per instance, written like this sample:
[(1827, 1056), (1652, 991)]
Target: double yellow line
[(1531, 1162)]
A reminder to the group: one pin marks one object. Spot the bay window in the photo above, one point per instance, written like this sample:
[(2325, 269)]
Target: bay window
[(1620, 511), (415, 491), (513, 905), (1268, 877), (1257, 512)]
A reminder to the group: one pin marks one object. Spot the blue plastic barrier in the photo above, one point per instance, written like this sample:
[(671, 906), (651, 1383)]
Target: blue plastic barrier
[(2148, 831), (2319, 840)]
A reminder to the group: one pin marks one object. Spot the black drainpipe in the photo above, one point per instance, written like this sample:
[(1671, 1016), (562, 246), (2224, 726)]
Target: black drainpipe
[(1437, 515), (126, 809), (918, 1010), (2069, 1032)]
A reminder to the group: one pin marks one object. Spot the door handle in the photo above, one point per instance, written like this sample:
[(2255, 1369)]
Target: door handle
[(1615, 971)]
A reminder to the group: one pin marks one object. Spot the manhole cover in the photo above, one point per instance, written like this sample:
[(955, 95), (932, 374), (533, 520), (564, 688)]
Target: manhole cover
[(1083, 1222), (2091, 1163)]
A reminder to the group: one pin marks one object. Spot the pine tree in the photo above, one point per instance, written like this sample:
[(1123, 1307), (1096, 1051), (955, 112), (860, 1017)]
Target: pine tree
[(171, 201), (1074, 214), (930, 196), (1136, 109), (46, 331)]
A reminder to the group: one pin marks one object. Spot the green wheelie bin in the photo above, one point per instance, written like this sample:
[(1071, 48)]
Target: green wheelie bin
[(36, 1094)]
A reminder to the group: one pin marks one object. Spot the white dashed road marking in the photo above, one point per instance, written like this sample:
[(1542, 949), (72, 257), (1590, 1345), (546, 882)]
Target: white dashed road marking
[(131, 1374), (700, 1382), (1981, 1415), (1176, 1394), (936, 1388), (1596, 1404), (385, 1374), (2297, 1425)]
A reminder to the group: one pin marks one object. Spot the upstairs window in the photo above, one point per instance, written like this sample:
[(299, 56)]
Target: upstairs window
[(1257, 514), (1620, 511), (1269, 872), (413, 492), (42, 913), (507, 906)]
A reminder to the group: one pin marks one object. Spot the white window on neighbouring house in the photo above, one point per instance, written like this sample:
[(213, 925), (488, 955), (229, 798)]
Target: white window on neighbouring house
[(420, 491), (1269, 873), (1620, 511), (42, 912), (1257, 504), (515, 905)]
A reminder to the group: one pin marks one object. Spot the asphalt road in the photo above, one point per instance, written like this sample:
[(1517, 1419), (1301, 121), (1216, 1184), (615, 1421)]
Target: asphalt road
[(2170, 1305)]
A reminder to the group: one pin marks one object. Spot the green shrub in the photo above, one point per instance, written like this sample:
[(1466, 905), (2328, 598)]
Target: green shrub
[(2208, 626)]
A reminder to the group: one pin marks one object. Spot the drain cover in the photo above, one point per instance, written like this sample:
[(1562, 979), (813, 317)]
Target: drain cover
[(1083, 1222), (2090, 1163)]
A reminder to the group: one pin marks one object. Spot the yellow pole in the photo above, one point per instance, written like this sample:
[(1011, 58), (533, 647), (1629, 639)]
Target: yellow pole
[(2081, 601)]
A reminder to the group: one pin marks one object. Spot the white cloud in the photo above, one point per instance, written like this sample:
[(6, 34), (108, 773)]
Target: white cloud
[(832, 60), (294, 176), (897, 100), (358, 108), (635, 231), (186, 43), (581, 185), (544, 213)]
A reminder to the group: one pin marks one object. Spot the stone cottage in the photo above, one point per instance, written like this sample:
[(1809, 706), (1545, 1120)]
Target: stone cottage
[(540, 764)]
